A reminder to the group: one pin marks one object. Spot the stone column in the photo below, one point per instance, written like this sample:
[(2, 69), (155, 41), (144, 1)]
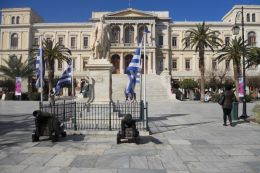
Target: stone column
[(122, 63), (149, 36), (135, 34), (121, 41), (154, 62), (154, 34), (149, 63)]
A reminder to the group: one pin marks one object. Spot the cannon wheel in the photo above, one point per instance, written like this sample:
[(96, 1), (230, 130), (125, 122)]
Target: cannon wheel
[(35, 138), (64, 134), (54, 136)]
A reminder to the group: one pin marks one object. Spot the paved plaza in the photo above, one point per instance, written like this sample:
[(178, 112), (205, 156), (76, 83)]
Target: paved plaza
[(187, 137)]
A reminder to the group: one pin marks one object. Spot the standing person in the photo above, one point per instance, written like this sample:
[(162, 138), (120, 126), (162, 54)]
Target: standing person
[(227, 105), (52, 98)]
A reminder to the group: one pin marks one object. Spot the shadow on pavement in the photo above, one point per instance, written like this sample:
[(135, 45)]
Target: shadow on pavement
[(147, 139), (165, 117)]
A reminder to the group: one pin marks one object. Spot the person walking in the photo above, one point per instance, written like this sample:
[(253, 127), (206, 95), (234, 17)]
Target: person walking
[(227, 105)]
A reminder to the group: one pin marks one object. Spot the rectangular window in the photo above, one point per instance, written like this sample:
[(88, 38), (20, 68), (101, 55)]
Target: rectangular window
[(227, 65), (85, 62), (61, 40), (59, 65), (174, 42), (73, 42), (73, 63), (227, 41), (214, 64), (85, 42), (174, 64), (253, 17), (160, 40), (36, 41), (187, 64)]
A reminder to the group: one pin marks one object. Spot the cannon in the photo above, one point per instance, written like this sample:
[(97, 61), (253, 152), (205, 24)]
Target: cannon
[(128, 130), (47, 125)]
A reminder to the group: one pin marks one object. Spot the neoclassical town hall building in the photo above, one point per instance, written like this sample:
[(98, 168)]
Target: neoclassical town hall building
[(21, 28)]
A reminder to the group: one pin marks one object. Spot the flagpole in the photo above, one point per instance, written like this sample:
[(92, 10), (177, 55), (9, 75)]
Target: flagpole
[(144, 69), (41, 68)]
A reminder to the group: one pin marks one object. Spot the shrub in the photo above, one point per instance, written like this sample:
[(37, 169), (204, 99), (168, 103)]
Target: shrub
[(25, 96), (35, 96), (10, 96), (188, 84), (248, 98)]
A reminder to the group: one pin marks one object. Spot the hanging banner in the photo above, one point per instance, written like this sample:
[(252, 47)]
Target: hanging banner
[(18, 86), (241, 87)]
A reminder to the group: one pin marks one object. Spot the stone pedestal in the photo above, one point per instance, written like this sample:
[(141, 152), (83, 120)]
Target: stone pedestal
[(100, 72), (166, 81)]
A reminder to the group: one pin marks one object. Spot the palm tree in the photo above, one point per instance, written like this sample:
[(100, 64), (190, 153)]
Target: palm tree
[(201, 38), (253, 57), (234, 52), (52, 52), (16, 68)]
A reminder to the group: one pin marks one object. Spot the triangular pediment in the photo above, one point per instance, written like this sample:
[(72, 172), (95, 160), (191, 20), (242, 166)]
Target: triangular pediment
[(130, 13)]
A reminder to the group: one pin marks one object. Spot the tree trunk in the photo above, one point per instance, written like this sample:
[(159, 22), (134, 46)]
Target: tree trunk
[(50, 75), (202, 74)]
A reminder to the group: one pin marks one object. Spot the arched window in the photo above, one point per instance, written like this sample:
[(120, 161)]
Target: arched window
[(248, 17), (141, 33), (253, 17), (17, 20), (115, 34), (14, 41), (13, 20), (251, 38), (129, 34)]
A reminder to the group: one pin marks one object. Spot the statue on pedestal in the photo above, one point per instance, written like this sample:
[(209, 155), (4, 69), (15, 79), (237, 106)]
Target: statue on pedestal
[(101, 40)]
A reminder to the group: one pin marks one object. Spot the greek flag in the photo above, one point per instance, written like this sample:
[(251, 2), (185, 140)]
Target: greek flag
[(133, 71), (64, 80), (38, 69)]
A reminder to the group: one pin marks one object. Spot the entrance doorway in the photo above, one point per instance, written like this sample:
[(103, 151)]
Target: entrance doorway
[(115, 60), (128, 59)]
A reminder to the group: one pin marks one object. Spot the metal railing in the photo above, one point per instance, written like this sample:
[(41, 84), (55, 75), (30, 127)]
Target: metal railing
[(87, 116)]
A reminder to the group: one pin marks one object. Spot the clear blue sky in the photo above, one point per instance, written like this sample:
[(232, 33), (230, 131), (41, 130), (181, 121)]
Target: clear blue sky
[(80, 10)]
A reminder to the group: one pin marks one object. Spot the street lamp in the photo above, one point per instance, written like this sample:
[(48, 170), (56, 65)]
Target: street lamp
[(235, 30)]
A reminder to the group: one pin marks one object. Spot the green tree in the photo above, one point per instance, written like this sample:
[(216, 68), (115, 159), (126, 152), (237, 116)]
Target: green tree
[(14, 67), (202, 38), (233, 52), (253, 57), (52, 52), (188, 84)]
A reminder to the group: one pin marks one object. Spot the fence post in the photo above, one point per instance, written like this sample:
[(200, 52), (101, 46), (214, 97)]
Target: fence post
[(64, 111), (40, 106), (75, 120), (110, 116), (146, 116), (142, 111)]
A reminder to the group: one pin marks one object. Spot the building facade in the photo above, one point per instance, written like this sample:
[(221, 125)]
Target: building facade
[(22, 28)]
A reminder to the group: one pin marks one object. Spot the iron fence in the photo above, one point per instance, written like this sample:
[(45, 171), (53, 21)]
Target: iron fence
[(86, 116)]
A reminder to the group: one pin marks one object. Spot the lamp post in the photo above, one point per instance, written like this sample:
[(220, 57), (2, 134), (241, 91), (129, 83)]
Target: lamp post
[(235, 30)]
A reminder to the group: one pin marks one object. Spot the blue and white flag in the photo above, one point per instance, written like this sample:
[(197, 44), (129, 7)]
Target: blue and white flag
[(132, 71), (64, 80), (38, 69)]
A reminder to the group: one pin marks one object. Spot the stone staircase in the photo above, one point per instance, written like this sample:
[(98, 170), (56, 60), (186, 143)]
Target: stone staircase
[(155, 90)]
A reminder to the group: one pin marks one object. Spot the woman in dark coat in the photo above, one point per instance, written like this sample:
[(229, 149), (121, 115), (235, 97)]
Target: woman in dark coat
[(227, 105)]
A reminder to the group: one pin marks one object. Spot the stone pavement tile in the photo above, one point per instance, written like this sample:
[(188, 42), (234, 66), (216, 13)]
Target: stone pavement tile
[(219, 152), (172, 171), (179, 142), (14, 159), (255, 151), (241, 158), (154, 162), (254, 165), (91, 170), (12, 168), (163, 146), (3, 154), (210, 158), (203, 167), (47, 143), (45, 169), (237, 167), (84, 161), (238, 152), (170, 160), (76, 151), (113, 161), (199, 142), (37, 159), (139, 162), (141, 171), (43, 150), (131, 151), (61, 160)]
